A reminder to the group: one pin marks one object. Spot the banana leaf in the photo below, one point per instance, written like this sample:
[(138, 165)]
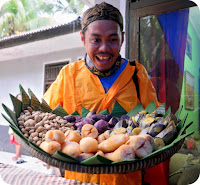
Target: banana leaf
[(95, 160), (167, 112), (75, 113), (184, 128), (104, 112), (10, 122), (84, 112), (25, 98), (136, 109), (151, 107), (17, 104), (44, 107), (11, 114), (35, 103), (161, 109), (178, 112), (64, 157), (59, 111), (118, 110), (182, 122)]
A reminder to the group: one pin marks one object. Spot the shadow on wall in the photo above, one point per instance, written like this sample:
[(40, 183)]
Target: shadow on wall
[(5, 141)]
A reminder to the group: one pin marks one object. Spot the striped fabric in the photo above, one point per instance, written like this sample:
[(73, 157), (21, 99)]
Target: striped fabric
[(14, 175)]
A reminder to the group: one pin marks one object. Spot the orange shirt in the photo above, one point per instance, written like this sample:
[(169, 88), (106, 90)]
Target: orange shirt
[(76, 87)]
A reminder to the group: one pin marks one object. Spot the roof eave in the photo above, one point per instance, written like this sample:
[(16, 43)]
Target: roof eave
[(42, 34)]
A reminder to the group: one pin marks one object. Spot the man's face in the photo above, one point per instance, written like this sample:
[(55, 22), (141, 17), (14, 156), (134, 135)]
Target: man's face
[(103, 40)]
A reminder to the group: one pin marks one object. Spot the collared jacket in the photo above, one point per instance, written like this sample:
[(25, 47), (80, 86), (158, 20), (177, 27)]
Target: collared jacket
[(76, 87)]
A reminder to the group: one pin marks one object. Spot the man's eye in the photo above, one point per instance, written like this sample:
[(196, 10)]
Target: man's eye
[(113, 40), (96, 40)]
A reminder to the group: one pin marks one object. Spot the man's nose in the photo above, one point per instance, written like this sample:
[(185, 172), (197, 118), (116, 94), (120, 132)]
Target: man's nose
[(104, 46)]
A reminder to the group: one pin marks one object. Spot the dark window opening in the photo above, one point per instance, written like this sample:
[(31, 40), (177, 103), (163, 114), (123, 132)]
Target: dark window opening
[(51, 71)]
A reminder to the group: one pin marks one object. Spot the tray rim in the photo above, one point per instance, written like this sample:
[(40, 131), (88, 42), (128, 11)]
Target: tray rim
[(103, 168)]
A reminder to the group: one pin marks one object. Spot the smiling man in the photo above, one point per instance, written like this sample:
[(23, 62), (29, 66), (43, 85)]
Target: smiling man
[(102, 78), (103, 40)]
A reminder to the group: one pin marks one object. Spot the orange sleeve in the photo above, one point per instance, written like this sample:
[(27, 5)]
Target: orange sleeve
[(63, 90)]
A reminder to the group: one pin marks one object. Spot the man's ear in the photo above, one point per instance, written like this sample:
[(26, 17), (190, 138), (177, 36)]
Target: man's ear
[(82, 38), (123, 37)]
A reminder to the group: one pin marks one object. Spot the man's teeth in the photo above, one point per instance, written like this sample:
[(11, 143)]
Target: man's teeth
[(103, 58)]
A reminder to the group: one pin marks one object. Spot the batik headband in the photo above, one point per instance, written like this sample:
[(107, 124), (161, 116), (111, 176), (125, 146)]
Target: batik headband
[(103, 11)]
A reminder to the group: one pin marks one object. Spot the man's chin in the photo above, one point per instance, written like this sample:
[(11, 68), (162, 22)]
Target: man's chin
[(103, 69)]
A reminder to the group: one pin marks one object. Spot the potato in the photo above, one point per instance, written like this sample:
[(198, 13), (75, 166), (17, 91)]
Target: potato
[(88, 145), (89, 131), (72, 135), (50, 147), (113, 142), (84, 156), (144, 150), (103, 137), (124, 152), (71, 148), (55, 135), (141, 146), (135, 142), (99, 152)]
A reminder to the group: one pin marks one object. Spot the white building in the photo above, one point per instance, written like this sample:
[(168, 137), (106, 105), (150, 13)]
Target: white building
[(23, 57)]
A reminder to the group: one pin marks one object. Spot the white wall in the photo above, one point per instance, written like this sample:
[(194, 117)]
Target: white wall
[(29, 72)]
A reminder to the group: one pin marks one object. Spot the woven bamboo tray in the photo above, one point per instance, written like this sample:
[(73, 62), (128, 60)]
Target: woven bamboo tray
[(97, 165), (103, 169)]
